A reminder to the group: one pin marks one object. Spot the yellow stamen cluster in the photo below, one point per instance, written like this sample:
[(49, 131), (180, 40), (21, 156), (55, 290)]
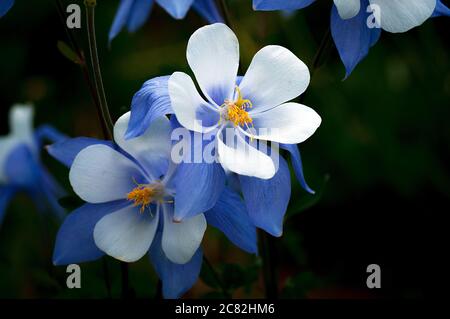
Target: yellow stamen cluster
[(237, 110), (142, 196), (238, 116)]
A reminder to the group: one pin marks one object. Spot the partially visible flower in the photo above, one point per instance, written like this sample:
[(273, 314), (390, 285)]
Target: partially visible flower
[(356, 24), (138, 201), (132, 14), (20, 167), (5, 6)]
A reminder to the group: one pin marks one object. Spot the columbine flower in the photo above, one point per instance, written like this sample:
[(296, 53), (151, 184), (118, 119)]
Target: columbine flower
[(354, 30), (5, 5), (134, 13), (20, 166), (255, 108), (135, 196), (266, 199)]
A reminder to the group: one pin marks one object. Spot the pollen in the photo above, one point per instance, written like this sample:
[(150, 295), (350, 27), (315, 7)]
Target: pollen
[(238, 116), (236, 111), (144, 195)]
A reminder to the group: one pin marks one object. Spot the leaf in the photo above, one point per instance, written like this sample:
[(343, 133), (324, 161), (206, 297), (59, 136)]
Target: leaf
[(308, 201), (68, 52)]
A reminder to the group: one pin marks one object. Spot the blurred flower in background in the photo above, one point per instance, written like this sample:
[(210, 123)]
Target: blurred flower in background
[(134, 13), (20, 166)]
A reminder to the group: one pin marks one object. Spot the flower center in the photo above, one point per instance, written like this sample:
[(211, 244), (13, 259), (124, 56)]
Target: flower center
[(236, 111), (144, 194)]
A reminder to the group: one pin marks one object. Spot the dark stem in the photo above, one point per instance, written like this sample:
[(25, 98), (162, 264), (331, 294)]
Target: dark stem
[(106, 276), (322, 52), (98, 80), (217, 278), (226, 14), (69, 32), (267, 253), (324, 48), (84, 68)]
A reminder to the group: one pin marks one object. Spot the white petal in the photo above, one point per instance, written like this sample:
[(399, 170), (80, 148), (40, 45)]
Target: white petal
[(213, 55), (180, 240), (289, 123), (100, 174), (403, 15), (275, 76), (189, 107), (126, 234), (21, 120), (347, 8), (152, 149), (240, 157)]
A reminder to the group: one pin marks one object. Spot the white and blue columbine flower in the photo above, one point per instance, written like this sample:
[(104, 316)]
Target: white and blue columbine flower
[(5, 6), (20, 167), (253, 107), (356, 27), (134, 13), (274, 77), (134, 193)]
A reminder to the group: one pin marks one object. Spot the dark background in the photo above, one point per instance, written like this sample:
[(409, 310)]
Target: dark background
[(379, 161)]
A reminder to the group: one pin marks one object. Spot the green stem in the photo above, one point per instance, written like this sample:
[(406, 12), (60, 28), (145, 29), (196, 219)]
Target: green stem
[(84, 68), (267, 253), (98, 80), (217, 278)]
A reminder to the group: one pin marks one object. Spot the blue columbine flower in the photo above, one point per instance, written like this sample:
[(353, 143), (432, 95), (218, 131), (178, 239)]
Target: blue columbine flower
[(20, 166), (356, 24), (5, 6), (266, 199), (134, 13), (139, 201)]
